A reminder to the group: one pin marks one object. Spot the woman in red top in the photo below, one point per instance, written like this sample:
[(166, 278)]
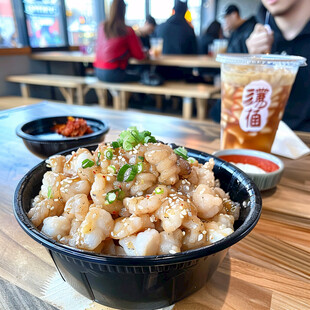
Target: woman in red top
[(116, 43)]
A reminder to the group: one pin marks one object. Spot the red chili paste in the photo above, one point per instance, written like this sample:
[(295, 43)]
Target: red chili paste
[(262, 163)]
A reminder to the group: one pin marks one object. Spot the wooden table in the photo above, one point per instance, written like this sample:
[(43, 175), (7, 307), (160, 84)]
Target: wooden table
[(269, 269), (190, 61)]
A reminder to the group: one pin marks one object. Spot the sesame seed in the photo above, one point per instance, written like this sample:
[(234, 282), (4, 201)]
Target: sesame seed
[(200, 237), (172, 252)]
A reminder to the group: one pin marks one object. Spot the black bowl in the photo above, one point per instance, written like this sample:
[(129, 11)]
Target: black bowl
[(143, 282), (40, 139)]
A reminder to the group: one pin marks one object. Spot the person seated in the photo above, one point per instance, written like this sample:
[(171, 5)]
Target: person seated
[(288, 33), (214, 31), (179, 37), (146, 31), (238, 28), (116, 43)]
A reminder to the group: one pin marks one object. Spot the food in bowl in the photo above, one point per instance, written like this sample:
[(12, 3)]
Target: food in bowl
[(155, 281), (135, 197), (74, 127)]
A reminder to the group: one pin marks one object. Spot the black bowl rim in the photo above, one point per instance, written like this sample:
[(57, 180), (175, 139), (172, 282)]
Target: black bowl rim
[(168, 259), (20, 132)]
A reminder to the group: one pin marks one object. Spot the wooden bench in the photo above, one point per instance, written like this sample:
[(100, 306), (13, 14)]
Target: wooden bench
[(119, 91), (67, 84)]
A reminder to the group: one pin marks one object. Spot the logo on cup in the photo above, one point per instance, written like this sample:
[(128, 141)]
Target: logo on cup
[(256, 99)]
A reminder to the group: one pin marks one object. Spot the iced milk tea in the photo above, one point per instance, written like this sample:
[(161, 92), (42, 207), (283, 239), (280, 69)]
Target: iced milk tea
[(255, 89)]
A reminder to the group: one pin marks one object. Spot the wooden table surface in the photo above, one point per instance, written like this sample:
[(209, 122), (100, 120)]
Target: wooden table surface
[(268, 269), (190, 61)]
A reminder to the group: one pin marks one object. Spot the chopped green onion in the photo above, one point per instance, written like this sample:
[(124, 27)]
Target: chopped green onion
[(108, 154), (121, 195), (181, 151), (112, 169), (98, 158), (132, 174), (159, 190), (49, 192), (131, 137), (113, 195), (110, 197), (121, 172), (140, 167), (115, 145), (149, 139), (87, 163), (141, 158), (191, 160)]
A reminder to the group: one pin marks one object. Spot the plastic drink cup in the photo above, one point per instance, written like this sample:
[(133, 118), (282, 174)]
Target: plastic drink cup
[(156, 47), (255, 90)]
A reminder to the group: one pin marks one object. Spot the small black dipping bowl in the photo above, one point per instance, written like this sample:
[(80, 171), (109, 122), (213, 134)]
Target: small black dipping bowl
[(148, 282), (43, 141)]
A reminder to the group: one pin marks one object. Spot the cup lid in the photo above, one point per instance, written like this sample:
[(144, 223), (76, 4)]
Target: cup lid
[(261, 59)]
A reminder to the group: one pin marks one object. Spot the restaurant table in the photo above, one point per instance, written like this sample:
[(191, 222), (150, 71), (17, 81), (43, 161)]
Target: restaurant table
[(190, 61), (268, 269)]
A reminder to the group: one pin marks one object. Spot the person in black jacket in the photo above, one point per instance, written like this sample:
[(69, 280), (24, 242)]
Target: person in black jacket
[(239, 29), (178, 39)]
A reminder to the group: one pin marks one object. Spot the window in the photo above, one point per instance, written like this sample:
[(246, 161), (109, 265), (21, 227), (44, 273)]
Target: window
[(81, 22), (135, 12), (161, 10), (194, 8), (8, 32), (45, 23)]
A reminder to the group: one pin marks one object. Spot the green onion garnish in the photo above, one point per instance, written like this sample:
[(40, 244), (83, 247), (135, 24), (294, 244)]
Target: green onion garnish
[(110, 197), (49, 192), (87, 163), (121, 172), (113, 195), (140, 167), (108, 154), (127, 173), (159, 190), (115, 145), (98, 158), (181, 151), (150, 139), (191, 160), (131, 137), (112, 169), (141, 158), (132, 174)]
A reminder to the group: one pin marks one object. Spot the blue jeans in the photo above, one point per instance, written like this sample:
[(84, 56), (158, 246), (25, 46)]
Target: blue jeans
[(116, 76)]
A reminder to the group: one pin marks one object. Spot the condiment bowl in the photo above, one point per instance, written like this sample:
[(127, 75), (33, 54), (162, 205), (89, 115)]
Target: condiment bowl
[(271, 165), (40, 139)]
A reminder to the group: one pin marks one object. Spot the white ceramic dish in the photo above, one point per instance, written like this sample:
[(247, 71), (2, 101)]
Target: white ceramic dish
[(272, 165)]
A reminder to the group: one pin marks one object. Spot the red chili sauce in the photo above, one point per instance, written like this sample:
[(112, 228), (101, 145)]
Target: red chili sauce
[(262, 163)]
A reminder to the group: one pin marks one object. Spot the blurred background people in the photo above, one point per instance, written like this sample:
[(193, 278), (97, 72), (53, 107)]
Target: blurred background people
[(238, 29), (290, 34), (179, 37), (146, 31), (116, 43), (214, 31)]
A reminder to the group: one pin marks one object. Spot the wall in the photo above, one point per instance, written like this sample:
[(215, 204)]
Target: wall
[(17, 64)]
